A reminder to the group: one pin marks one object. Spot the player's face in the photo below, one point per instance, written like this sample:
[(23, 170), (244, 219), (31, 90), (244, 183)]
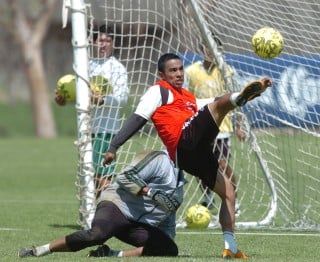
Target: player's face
[(173, 73), (104, 45)]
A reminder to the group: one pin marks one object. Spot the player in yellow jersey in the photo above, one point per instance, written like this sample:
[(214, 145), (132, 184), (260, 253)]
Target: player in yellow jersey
[(204, 80)]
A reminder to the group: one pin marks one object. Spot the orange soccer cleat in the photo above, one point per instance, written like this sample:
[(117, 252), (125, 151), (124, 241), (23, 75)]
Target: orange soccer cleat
[(227, 254), (252, 90)]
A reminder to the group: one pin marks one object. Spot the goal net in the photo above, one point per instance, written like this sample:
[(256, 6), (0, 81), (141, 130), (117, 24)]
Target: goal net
[(277, 167)]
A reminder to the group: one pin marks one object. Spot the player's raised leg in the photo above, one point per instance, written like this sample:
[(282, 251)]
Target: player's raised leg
[(224, 104)]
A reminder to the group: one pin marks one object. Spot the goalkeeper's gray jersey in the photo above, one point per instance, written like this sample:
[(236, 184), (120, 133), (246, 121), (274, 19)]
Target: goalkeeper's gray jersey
[(154, 170)]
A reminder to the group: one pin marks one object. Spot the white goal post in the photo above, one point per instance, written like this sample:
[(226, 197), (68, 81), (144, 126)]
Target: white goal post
[(277, 167)]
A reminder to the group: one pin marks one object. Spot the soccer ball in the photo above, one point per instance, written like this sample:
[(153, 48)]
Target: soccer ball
[(100, 85), (267, 42), (197, 216), (66, 86)]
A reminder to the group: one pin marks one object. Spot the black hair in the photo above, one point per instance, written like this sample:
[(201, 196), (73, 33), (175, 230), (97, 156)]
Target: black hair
[(104, 29), (164, 58)]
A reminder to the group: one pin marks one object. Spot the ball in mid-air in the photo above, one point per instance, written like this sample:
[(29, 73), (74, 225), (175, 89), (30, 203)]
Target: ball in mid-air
[(198, 216), (66, 86), (267, 42)]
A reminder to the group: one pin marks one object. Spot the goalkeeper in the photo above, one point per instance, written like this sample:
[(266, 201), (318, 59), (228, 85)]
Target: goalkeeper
[(138, 209)]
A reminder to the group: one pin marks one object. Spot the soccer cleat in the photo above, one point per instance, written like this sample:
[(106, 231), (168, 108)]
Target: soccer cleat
[(252, 90), (102, 251), (27, 252), (227, 254)]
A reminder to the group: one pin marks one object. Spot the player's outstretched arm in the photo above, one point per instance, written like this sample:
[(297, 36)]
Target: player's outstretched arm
[(130, 127)]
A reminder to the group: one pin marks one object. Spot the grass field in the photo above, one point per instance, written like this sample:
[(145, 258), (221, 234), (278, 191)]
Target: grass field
[(38, 204), (16, 119), (38, 201)]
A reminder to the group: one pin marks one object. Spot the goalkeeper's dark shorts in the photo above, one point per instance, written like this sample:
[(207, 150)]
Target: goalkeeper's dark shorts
[(194, 151), (109, 222)]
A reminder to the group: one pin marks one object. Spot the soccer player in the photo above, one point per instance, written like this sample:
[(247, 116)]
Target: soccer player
[(188, 132), (204, 80), (138, 209), (105, 120)]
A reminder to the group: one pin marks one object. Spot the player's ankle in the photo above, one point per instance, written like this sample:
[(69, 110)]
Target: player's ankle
[(233, 98)]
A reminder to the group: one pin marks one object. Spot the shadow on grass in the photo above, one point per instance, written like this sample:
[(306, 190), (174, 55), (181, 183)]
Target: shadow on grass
[(74, 227)]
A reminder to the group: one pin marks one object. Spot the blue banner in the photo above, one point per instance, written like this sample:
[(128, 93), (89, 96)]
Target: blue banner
[(293, 100)]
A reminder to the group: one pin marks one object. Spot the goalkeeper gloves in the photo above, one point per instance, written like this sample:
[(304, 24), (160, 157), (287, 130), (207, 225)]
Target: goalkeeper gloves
[(163, 199)]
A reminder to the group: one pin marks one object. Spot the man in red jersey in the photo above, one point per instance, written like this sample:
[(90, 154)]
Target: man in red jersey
[(187, 133)]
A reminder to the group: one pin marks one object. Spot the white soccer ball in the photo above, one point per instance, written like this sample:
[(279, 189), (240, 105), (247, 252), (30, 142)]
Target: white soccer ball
[(197, 216), (267, 42)]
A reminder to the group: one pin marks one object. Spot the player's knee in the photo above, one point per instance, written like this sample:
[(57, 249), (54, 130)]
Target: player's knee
[(96, 236), (163, 251), (159, 243), (172, 251), (85, 238)]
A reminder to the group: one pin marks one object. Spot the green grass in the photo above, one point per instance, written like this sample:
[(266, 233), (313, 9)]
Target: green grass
[(38, 200), (16, 120), (38, 204)]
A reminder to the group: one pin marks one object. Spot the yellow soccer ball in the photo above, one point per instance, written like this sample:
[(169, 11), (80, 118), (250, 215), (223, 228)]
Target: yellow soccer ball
[(267, 42), (100, 85), (198, 216), (66, 87)]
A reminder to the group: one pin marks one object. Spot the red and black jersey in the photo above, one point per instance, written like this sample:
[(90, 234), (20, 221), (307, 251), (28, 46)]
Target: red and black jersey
[(169, 119)]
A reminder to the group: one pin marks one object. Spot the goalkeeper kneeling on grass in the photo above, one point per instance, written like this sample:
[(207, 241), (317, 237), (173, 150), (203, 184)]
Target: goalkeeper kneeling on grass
[(138, 209)]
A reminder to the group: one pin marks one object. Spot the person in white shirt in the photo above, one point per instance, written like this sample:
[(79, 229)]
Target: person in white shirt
[(109, 80), (204, 80)]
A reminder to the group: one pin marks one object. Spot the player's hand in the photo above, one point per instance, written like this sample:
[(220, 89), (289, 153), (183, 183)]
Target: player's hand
[(96, 98), (108, 158), (167, 202), (59, 98)]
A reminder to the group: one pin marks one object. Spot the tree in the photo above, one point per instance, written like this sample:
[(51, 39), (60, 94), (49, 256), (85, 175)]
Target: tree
[(29, 31)]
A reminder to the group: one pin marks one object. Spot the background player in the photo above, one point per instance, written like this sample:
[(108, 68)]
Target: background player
[(108, 98), (204, 80)]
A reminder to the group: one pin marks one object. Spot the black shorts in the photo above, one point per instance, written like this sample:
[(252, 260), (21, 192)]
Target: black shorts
[(109, 222), (194, 151)]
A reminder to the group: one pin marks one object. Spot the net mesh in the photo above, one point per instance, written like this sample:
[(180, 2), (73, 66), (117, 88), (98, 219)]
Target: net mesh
[(277, 166)]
